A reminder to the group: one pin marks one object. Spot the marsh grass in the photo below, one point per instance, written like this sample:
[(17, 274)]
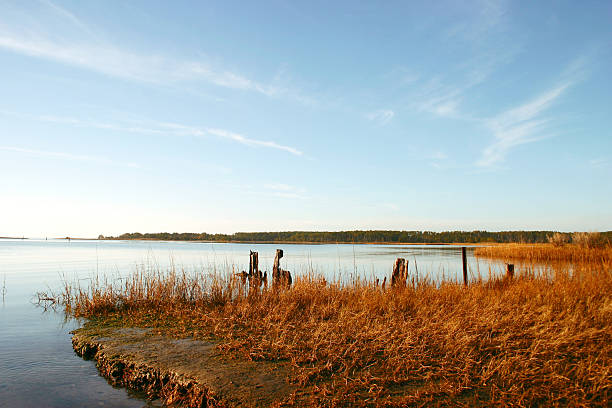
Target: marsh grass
[(541, 339), (549, 253)]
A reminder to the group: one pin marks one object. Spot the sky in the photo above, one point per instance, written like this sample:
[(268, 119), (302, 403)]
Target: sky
[(125, 116)]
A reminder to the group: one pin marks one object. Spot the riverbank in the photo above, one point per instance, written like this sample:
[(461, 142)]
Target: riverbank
[(531, 340), (179, 372)]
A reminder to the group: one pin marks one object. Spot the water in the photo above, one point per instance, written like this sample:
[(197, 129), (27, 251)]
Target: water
[(38, 367)]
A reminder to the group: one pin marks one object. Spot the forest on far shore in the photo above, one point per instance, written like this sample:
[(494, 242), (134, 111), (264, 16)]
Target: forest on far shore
[(417, 237)]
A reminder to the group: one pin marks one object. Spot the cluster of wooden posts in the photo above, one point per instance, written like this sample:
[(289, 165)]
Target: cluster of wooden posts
[(255, 277), (399, 276), (282, 278)]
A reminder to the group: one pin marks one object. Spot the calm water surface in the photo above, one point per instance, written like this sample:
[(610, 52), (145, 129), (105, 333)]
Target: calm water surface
[(38, 367)]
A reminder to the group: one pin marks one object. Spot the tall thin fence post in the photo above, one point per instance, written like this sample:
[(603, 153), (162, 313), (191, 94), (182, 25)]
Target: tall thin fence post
[(464, 257)]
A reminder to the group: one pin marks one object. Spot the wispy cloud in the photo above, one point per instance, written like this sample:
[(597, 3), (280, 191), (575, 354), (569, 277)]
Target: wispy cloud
[(525, 123), (443, 94), (158, 128), (382, 116), (439, 156), (286, 191), (438, 160), (252, 142), (482, 18), (116, 62), (177, 128), (519, 125), (477, 31), (283, 194), (69, 156), (390, 206), (73, 19), (438, 99), (598, 163), (84, 49)]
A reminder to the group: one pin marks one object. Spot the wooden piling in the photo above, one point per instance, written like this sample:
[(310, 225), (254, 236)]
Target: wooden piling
[(395, 273), (254, 264), (243, 276), (509, 271), (276, 266), (400, 272), (464, 258), (255, 276), (279, 275)]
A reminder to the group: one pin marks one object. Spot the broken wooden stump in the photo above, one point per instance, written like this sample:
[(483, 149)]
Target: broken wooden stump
[(400, 273), (243, 276), (256, 277), (254, 264), (286, 278), (509, 271), (276, 266), (280, 277)]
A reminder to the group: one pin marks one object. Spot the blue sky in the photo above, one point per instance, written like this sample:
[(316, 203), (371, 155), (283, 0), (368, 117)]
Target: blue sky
[(257, 116)]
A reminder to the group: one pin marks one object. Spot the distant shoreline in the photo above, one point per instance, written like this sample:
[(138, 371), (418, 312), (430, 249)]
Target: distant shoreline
[(265, 242), (361, 237), (299, 242), (390, 237)]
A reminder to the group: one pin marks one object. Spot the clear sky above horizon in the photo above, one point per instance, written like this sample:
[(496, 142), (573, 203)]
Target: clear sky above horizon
[(232, 116)]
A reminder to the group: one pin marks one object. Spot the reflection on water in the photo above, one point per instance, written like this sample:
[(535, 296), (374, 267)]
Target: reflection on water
[(37, 365)]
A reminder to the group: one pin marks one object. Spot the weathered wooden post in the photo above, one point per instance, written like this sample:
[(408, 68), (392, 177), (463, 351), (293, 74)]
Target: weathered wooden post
[(243, 276), (395, 273), (509, 271), (280, 276), (400, 272), (276, 266), (464, 258), (286, 277), (254, 264), (256, 277)]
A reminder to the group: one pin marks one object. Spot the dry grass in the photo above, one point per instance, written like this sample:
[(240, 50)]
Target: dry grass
[(534, 340), (558, 239), (590, 239), (549, 253)]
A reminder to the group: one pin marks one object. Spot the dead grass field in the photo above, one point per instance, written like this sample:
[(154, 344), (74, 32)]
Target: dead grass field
[(530, 341), (548, 253)]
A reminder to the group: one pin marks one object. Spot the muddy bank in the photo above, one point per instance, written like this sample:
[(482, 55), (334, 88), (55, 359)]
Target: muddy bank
[(181, 372)]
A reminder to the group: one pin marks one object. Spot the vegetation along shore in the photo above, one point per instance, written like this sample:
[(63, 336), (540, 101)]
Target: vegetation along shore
[(531, 339), (413, 237)]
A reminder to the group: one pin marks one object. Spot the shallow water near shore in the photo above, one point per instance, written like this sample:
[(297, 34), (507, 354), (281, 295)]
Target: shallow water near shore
[(38, 367)]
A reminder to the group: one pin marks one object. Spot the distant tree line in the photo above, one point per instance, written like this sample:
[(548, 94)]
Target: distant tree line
[(428, 237)]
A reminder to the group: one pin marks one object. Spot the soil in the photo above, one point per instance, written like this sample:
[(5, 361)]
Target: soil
[(181, 372)]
